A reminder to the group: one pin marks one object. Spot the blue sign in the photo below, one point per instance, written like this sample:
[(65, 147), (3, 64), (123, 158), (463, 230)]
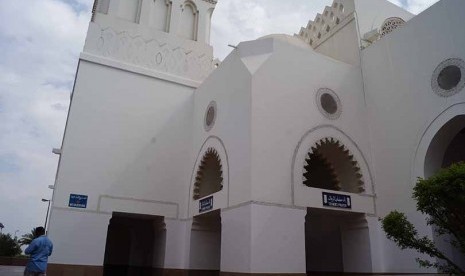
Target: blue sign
[(77, 201), (337, 201), (206, 204)]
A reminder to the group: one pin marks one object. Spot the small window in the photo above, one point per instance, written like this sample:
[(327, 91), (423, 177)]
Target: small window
[(210, 116), (448, 77), (328, 103), (328, 28)]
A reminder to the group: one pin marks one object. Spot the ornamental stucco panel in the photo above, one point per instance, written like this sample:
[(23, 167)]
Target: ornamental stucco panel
[(164, 55)]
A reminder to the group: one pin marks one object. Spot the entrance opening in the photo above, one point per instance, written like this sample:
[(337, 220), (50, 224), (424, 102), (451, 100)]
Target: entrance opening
[(205, 246), (336, 242), (447, 148), (135, 245)]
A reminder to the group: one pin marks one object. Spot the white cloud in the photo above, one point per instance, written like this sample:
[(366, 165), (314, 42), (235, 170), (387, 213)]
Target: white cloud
[(37, 64), (235, 21), (414, 6), (417, 6)]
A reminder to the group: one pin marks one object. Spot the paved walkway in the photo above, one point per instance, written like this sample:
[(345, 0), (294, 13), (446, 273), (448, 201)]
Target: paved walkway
[(11, 270)]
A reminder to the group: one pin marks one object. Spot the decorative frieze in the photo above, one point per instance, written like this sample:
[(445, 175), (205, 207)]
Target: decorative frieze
[(165, 56)]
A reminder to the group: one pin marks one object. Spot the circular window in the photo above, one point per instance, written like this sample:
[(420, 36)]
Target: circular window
[(448, 78), (210, 116), (329, 103)]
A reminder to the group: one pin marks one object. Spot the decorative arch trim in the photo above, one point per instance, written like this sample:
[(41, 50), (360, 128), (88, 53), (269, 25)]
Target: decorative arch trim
[(312, 137), (221, 197), (427, 136), (195, 10)]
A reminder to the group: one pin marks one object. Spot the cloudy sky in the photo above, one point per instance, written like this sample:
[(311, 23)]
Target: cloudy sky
[(40, 41)]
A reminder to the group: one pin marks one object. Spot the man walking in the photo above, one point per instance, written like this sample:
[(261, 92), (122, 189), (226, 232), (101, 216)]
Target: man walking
[(39, 249)]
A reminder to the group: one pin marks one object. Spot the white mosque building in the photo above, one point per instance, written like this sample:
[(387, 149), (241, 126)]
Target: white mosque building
[(279, 160)]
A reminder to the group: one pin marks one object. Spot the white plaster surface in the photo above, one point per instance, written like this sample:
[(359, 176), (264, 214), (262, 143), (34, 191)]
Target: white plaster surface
[(277, 240), (135, 132), (236, 231), (78, 237)]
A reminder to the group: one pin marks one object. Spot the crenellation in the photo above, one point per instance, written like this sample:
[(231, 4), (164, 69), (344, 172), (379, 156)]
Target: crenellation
[(323, 23)]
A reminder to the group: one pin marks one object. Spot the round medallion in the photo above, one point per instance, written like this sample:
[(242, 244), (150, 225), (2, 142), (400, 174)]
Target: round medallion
[(328, 103), (448, 78), (210, 116)]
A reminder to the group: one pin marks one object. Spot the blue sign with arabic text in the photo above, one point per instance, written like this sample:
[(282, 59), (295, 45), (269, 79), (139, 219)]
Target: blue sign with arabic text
[(78, 201), (337, 200), (206, 204)]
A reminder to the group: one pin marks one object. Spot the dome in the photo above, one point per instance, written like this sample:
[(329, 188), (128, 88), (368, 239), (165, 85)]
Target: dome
[(294, 40)]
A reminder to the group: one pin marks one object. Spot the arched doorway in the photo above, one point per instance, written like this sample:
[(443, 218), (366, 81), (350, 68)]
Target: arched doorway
[(135, 245), (205, 235), (446, 147), (335, 241)]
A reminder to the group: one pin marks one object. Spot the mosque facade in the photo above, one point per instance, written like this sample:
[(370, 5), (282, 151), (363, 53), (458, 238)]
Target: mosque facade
[(278, 160)]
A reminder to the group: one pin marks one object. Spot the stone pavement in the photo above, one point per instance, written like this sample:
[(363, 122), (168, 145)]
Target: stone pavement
[(11, 270)]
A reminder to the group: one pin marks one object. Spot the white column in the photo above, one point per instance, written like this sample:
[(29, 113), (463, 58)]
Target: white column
[(236, 239), (177, 243), (278, 240), (175, 16), (145, 10), (113, 8), (377, 236), (260, 238)]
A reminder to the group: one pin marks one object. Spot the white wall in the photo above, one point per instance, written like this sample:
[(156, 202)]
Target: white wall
[(78, 238), (372, 13), (402, 106), (236, 234), (124, 133), (343, 45), (229, 86), (284, 109), (278, 239)]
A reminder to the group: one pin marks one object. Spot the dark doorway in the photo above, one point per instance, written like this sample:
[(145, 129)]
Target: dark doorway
[(336, 242), (135, 245)]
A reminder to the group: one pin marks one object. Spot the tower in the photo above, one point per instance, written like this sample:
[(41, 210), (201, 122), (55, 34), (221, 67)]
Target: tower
[(127, 143), (168, 36)]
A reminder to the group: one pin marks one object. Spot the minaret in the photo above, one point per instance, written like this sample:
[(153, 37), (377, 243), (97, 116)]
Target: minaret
[(127, 145), (168, 36)]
